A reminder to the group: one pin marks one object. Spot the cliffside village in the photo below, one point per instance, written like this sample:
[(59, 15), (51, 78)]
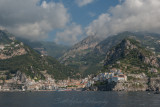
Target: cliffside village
[(19, 82), (114, 75)]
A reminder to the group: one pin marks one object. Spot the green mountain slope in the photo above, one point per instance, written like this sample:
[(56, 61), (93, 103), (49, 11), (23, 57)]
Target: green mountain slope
[(77, 57), (93, 61), (130, 56), (18, 57), (3, 38)]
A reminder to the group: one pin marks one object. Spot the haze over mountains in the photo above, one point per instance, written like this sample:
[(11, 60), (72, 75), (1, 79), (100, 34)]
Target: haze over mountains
[(46, 47)]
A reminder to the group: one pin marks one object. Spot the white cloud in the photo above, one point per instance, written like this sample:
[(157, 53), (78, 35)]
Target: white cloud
[(70, 35), (29, 19), (130, 15), (83, 2)]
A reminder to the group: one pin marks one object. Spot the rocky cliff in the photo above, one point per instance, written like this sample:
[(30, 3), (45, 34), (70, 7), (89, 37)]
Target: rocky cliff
[(92, 61), (140, 65), (76, 56), (17, 57), (135, 82), (131, 57), (81, 48)]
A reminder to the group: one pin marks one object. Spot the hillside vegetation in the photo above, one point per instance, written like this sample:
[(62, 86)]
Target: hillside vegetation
[(93, 60), (18, 57), (131, 57)]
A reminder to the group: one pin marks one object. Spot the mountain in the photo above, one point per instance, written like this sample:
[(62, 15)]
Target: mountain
[(148, 40), (46, 47), (92, 61), (74, 57), (131, 57), (129, 66), (17, 57)]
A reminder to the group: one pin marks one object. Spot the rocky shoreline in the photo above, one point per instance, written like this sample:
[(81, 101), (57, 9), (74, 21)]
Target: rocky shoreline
[(144, 84)]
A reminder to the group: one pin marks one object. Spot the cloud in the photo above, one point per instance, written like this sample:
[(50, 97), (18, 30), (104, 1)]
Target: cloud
[(70, 35), (30, 19), (83, 2), (130, 15)]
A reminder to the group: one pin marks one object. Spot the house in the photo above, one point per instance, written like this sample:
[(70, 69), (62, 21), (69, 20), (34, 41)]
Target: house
[(17, 45), (80, 85), (119, 78), (122, 77), (13, 43), (95, 78), (1, 47), (115, 79), (89, 83), (111, 75)]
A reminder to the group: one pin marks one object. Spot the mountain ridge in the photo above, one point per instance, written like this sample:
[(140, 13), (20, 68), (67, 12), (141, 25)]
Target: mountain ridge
[(130, 56), (92, 62), (15, 56)]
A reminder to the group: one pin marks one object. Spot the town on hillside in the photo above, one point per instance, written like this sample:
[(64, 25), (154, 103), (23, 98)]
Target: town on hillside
[(20, 82)]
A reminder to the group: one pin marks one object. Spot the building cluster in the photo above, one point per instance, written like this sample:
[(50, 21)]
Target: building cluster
[(20, 82), (11, 46), (114, 75)]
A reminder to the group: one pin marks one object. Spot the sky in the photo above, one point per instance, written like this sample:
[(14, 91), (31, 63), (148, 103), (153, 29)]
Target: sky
[(69, 21)]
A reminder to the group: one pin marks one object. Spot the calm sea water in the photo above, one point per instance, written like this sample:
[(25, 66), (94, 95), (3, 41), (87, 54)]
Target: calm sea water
[(79, 99)]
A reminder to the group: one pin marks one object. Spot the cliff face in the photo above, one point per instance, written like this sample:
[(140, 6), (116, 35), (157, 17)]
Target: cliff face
[(154, 82), (81, 48), (78, 56), (11, 52), (140, 65), (92, 60), (131, 57), (136, 82), (17, 57), (9, 47)]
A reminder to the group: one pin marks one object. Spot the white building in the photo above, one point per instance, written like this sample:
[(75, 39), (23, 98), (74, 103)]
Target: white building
[(115, 79), (1, 47), (119, 78)]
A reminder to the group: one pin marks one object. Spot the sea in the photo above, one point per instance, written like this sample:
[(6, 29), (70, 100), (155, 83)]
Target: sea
[(79, 99)]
